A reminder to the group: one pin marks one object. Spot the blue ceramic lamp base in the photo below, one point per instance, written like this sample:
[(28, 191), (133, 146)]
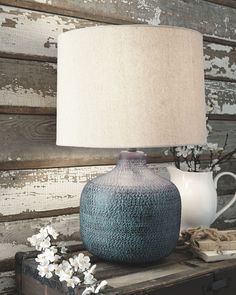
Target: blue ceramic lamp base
[(130, 215)]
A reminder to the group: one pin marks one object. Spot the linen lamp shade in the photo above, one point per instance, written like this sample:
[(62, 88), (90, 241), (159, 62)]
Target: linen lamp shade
[(130, 86)]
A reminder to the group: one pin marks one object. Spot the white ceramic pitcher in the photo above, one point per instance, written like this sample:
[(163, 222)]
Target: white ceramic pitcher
[(198, 196)]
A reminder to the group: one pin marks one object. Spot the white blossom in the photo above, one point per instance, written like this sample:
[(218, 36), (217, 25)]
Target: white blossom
[(47, 255), (43, 232), (183, 151), (62, 247), (45, 244), (64, 276), (89, 278), (66, 270), (51, 231), (92, 269), (89, 290), (54, 249), (166, 152), (216, 168), (212, 146), (80, 262), (100, 286), (46, 270), (39, 241), (65, 266), (72, 282), (94, 289), (34, 241), (42, 260)]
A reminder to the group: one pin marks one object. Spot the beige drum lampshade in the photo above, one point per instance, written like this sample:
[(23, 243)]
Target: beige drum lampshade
[(130, 86)]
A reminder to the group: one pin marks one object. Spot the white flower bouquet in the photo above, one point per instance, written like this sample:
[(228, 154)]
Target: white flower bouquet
[(191, 157), (77, 271)]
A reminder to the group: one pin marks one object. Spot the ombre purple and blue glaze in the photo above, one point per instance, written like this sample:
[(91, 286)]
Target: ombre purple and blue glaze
[(130, 215)]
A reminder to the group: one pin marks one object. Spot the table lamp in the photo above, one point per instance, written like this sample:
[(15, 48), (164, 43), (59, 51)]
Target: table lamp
[(131, 86)]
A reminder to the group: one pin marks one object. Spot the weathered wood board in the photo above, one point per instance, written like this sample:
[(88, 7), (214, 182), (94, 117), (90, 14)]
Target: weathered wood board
[(17, 232), (7, 283), (220, 129), (220, 61), (224, 93), (230, 3), (29, 141), (8, 251), (27, 83), (28, 32), (213, 20), (14, 235)]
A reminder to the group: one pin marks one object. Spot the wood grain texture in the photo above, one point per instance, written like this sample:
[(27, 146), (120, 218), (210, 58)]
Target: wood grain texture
[(7, 283), (230, 3), (29, 141), (26, 32), (211, 19), (14, 235), (220, 129), (27, 83)]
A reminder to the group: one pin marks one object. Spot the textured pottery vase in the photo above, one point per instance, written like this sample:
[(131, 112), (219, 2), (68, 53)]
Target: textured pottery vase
[(130, 214)]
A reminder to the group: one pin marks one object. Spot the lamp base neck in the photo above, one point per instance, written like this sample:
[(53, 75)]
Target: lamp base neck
[(132, 154)]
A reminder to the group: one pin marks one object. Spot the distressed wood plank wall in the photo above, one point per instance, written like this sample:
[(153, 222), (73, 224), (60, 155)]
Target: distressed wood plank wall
[(41, 183)]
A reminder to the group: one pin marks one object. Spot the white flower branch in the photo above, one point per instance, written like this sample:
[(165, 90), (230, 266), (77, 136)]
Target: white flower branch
[(78, 271)]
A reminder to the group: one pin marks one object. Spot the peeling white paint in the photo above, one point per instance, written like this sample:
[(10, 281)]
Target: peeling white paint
[(44, 1), (226, 22), (220, 67), (229, 220), (219, 47), (142, 4), (20, 96), (8, 250), (36, 32), (156, 20)]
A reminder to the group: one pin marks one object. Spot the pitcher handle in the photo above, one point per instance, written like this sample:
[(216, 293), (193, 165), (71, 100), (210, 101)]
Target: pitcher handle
[(232, 200)]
